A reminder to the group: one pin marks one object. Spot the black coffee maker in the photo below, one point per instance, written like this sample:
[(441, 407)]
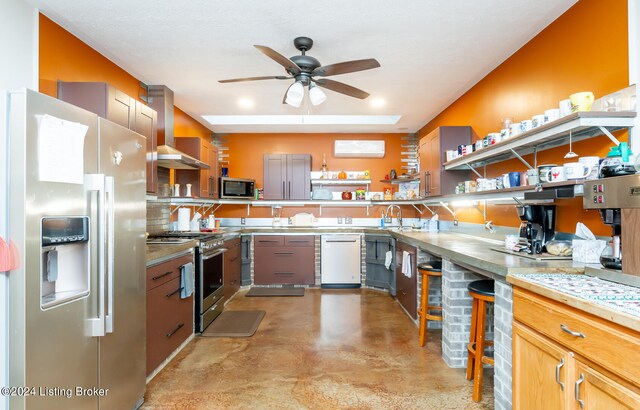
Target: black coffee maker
[(537, 227)]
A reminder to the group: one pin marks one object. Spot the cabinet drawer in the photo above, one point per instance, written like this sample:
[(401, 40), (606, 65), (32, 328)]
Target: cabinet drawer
[(232, 243), (285, 266), (169, 322), (307, 240), (604, 343), (166, 271), (268, 240)]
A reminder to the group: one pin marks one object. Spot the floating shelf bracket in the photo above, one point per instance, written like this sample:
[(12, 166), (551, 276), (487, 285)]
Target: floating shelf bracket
[(417, 209), (474, 171), (176, 207), (608, 134), (430, 210), (452, 212), (515, 154)]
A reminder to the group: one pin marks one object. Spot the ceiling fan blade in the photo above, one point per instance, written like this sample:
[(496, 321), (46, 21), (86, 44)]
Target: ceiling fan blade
[(271, 77), (289, 65), (341, 88), (346, 67)]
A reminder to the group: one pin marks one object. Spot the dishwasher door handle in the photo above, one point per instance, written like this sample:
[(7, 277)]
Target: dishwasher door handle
[(340, 240)]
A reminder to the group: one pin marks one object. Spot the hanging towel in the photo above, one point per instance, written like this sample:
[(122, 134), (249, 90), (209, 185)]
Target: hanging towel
[(186, 280), (406, 264), (387, 259)]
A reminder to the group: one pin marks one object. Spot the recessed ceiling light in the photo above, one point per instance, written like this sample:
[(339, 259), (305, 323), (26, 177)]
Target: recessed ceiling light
[(377, 102), (302, 119), (245, 102)]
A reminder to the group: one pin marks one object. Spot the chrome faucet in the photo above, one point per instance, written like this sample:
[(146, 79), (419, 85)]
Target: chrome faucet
[(390, 209)]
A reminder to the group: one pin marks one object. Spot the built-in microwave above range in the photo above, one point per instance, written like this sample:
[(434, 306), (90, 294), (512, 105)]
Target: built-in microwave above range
[(237, 188)]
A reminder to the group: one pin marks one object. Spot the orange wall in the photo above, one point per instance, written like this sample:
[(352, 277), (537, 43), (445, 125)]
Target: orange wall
[(246, 161), (65, 57), (586, 49)]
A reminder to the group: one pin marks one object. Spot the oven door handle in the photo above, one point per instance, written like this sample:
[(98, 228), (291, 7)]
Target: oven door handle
[(214, 254)]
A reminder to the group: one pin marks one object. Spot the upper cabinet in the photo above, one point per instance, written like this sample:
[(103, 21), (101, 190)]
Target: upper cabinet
[(287, 176), (204, 183), (434, 179), (107, 102)]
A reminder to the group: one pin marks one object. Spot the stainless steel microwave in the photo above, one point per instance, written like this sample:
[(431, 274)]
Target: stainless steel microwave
[(237, 188)]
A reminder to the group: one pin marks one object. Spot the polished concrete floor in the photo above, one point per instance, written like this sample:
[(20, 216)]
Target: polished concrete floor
[(331, 349)]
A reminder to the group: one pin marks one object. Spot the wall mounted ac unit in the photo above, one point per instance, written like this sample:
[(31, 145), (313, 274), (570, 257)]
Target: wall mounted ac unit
[(359, 148)]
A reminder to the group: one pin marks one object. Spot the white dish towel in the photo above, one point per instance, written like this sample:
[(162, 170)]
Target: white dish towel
[(186, 280), (387, 259), (406, 264)]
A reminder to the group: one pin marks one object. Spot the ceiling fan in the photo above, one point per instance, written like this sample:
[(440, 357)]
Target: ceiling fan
[(304, 68)]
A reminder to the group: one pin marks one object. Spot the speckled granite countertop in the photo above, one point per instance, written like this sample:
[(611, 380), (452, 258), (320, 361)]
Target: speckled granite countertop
[(156, 253), (608, 300)]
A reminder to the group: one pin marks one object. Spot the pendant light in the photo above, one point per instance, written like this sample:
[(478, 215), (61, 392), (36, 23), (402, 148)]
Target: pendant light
[(316, 95), (295, 94)]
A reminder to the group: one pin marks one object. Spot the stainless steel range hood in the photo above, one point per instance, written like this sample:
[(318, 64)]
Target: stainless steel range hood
[(160, 98), (169, 157)]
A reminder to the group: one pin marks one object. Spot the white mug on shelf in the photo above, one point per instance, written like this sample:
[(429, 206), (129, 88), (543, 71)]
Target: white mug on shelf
[(565, 107), (552, 114), (576, 170), (556, 174), (593, 164)]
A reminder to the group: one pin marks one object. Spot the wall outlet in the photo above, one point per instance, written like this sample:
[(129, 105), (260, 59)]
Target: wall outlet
[(455, 222), (243, 221), (388, 220), (339, 219), (348, 220)]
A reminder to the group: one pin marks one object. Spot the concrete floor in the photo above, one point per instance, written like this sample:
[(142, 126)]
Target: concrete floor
[(331, 349)]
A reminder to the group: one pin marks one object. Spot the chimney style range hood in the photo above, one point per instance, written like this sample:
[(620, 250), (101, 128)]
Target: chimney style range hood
[(160, 98)]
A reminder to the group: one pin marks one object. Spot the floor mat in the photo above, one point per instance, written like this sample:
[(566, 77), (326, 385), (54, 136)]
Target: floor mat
[(235, 323), (275, 292)]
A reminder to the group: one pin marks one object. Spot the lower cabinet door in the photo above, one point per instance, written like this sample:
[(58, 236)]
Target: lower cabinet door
[(541, 372), (169, 322), (284, 265), (594, 391)]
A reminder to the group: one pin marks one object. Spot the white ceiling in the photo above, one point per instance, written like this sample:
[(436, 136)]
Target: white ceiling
[(430, 51)]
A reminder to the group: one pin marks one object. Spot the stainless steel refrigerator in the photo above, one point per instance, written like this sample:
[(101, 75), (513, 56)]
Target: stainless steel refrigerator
[(76, 213)]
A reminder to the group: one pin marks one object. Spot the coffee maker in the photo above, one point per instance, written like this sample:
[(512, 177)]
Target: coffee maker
[(536, 227), (618, 201)]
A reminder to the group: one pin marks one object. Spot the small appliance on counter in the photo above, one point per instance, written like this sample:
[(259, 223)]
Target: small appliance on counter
[(618, 201), (536, 227)]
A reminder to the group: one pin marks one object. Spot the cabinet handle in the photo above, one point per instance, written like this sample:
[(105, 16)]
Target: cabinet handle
[(577, 392), (283, 253), (173, 293), (284, 273), (283, 192), (427, 183), (211, 187), (571, 332), (558, 367), (171, 333), (162, 275), (299, 241), (266, 241), (289, 196), (234, 259), (375, 244)]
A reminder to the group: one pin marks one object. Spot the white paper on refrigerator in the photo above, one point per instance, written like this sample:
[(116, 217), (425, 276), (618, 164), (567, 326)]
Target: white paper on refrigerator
[(61, 150)]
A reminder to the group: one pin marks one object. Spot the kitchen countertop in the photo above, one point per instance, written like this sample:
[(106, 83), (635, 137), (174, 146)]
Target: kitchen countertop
[(607, 300), (156, 252), (469, 251)]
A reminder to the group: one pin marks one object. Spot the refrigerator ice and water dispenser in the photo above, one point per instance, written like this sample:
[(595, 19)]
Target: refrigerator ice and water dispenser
[(64, 262)]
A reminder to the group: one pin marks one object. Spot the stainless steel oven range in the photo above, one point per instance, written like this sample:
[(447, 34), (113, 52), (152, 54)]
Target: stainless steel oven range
[(208, 274)]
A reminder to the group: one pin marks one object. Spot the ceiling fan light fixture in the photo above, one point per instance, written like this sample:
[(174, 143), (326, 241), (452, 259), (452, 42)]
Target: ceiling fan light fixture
[(295, 94), (316, 95)]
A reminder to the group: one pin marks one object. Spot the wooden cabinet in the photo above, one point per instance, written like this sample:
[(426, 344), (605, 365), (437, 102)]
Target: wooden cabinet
[(287, 176), (564, 358), (108, 102), (232, 267), (204, 183), (146, 123), (377, 274), (434, 179), (169, 317), (281, 259), (406, 288)]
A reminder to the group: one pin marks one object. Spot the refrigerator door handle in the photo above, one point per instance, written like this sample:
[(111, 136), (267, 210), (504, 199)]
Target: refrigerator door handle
[(110, 193), (96, 182)]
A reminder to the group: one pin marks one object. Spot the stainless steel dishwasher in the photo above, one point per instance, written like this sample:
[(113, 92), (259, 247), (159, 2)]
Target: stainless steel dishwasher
[(340, 261)]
